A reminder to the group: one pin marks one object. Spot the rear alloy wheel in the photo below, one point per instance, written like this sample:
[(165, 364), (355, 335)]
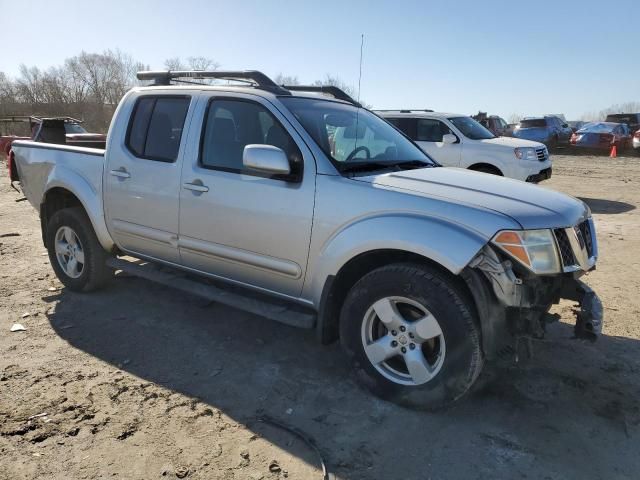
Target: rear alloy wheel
[(75, 253), (412, 335), (69, 252)]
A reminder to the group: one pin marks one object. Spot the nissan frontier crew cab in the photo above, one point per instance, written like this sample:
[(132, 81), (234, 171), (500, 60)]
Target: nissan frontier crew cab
[(423, 273)]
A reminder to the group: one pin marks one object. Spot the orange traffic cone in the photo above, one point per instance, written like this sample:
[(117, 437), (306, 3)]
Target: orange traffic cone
[(614, 152)]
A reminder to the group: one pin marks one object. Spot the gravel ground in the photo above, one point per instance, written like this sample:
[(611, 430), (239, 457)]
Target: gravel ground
[(140, 382)]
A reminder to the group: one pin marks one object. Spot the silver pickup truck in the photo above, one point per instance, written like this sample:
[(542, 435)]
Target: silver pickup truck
[(235, 192)]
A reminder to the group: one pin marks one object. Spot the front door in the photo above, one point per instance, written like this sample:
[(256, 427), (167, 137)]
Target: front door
[(429, 133), (142, 177), (236, 223)]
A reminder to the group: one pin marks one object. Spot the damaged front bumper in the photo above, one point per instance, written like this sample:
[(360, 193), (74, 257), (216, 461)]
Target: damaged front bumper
[(590, 315), (512, 304)]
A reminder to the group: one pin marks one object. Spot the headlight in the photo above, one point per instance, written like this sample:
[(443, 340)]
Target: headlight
[(526, 153), (535, 249)]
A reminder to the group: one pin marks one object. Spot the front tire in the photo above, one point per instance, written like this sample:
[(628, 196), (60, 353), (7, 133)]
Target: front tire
[(75, 253), (412, 336)]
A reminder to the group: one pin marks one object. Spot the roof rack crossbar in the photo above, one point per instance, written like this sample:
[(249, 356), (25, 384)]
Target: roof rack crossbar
[(164, 77), (335, 92), (404, 110)]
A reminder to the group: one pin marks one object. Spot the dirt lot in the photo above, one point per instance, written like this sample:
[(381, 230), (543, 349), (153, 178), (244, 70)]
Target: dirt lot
[(139, 381)]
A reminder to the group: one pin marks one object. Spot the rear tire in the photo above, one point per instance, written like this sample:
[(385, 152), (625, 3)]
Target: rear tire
[(438, 320), (75, 253)]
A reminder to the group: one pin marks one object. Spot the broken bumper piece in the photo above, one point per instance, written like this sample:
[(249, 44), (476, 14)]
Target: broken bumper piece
[(589, 316)]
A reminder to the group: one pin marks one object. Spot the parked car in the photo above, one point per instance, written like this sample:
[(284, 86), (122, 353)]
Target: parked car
[(58, 130), (576, 125), (422, 272), (602, 136), (632, 120), (459, 141), (550, 130), (494, 124)]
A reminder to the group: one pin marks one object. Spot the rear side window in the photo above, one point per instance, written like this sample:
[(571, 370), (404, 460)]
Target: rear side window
[(155, 128), (533, 123)]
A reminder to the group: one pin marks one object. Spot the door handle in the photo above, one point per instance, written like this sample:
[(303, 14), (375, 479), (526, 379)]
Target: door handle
[(196, 186), (120, 173)]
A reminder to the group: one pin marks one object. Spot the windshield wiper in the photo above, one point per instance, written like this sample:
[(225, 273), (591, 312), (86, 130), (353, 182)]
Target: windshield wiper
[(370, 166)]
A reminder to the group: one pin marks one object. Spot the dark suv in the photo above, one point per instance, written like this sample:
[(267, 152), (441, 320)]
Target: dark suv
[(631, 119), (550, 130)]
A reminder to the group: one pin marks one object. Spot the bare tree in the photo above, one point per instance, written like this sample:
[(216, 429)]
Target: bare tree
[(337, 82), (192, 63), (282, 79), (515, 118), (174, 63)]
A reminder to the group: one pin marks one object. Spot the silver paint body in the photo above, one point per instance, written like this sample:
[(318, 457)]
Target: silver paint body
[(282, 238)]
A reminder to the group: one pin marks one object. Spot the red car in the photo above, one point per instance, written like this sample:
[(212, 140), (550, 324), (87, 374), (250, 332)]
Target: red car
[(60, 130)]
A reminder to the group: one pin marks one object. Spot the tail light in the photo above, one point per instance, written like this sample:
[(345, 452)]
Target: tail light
[(574, 138)]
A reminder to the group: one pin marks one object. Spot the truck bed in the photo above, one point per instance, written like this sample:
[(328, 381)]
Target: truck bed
[(43, 165)]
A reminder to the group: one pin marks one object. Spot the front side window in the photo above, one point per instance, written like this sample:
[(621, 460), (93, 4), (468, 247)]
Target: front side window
[(156, 127), (431, 130), (349, 134), (471, 129), (231, 125)]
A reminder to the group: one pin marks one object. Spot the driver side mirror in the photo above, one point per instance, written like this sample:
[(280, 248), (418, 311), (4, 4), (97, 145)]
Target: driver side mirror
[(449, 138), (266, 159)]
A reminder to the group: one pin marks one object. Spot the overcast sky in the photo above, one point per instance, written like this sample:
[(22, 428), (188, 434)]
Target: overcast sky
[(525, 57)]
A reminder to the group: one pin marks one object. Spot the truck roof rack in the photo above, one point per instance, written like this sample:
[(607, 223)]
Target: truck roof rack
[(254, 77), (35, 118), (332, 90), (165, 77)]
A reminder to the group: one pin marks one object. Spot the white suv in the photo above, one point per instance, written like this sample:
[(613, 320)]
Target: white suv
[(459, 141)]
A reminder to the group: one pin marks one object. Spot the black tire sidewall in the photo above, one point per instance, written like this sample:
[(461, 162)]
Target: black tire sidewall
[(94, 255), (463, 357)]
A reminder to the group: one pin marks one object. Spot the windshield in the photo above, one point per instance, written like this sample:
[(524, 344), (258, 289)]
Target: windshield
[(73, 128), (533, 123), (348, 134), (471, 129)]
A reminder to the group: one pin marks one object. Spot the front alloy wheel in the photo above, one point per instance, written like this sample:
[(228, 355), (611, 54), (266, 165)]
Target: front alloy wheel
[(403, 341), (412, 335)]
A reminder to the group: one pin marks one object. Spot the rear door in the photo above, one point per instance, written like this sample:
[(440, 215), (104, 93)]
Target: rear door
[(236, 223), (142, 176)]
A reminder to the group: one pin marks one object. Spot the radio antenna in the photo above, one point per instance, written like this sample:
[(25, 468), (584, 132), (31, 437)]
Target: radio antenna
[(360, 76)]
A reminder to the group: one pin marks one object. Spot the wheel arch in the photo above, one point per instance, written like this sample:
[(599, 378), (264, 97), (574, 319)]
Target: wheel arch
[(483, 165), (337, 286), (59, 196)]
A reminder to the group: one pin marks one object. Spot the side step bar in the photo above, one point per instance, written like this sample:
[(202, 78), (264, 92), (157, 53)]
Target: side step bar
[(232, 296)]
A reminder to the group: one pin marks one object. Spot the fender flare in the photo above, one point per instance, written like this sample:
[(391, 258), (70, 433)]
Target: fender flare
[(89, 197), (448, 244)]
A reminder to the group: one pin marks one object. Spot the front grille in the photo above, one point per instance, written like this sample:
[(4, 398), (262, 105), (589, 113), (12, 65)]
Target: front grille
[(542, 154), (585, 230), (566, 253)]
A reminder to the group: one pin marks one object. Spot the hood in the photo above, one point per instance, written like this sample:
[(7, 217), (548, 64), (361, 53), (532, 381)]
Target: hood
[(529, 205), (511, 142)]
